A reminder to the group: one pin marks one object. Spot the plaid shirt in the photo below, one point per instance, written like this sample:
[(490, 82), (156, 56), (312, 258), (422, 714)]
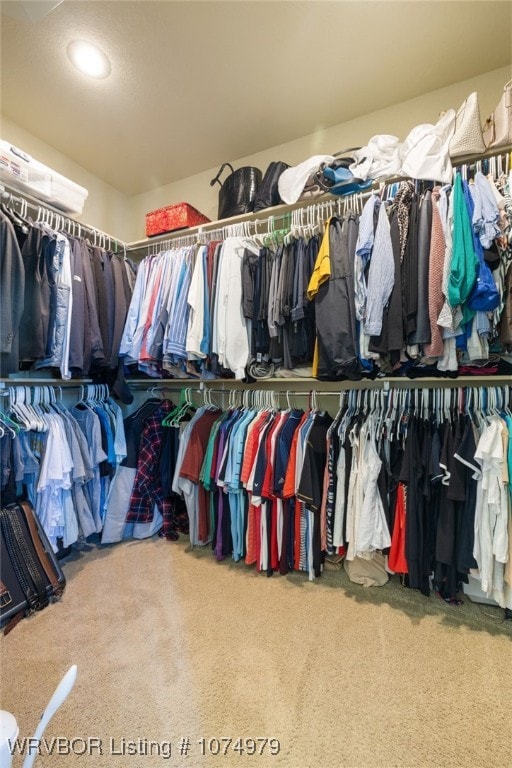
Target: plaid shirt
[(147, 488)]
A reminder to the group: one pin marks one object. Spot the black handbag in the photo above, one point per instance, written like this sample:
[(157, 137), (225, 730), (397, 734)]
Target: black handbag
[(30, 576), (238, 192), (268, 193)]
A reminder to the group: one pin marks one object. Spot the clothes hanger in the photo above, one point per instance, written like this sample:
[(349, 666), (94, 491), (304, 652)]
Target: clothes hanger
[(35, 406), (8, 424), (183, 409), (506, 403), (17, 218), (400, 412), (475, 412), (84, 397), (35, 421), (17, 408), (341, 407)]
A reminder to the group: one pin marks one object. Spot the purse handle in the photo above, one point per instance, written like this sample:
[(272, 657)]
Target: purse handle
[(346, 151), (216, 180)]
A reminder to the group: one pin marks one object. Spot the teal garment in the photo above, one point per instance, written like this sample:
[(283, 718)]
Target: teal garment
[(464, 262), (206, 467), (237, 448)]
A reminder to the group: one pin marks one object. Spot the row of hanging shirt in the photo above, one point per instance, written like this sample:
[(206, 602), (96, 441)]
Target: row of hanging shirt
[(186, 316), (62, 459), (416, 285), (441, 461), (64, 300), (420, 476)]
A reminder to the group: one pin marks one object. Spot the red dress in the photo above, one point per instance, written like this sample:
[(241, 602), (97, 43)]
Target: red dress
[(397, 560)]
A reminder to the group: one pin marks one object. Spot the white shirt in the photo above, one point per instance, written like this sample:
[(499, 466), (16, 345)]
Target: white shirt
[(134, 310), (196, 304), (381, 276), (232, 336), (491, 512)]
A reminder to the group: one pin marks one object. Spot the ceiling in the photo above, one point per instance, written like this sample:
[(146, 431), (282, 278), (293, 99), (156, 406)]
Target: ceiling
[(195, 83)]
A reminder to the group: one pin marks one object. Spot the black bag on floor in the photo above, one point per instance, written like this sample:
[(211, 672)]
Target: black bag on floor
[(30, 575), (268, 192)]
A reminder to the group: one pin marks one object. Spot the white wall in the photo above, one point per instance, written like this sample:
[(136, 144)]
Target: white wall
[(106, 208), (397, 120)]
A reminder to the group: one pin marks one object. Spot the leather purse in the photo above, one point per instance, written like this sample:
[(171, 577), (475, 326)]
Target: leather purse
[(268, 192), (467, 138), (238, 191), (497, 130)]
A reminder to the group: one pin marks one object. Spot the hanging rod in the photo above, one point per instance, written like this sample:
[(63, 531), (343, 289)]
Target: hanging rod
[(280, 384), (383, 383), (41, 382), (11, 194)]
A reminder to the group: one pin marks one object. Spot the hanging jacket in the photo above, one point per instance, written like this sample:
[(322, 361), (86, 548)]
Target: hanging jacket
[(332, 287), (12, 288)]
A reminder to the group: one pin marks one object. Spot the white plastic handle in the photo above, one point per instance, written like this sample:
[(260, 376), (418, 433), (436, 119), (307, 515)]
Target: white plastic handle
[(60, 695)]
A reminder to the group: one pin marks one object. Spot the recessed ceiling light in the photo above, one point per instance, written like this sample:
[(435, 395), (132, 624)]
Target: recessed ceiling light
[(89, 59)]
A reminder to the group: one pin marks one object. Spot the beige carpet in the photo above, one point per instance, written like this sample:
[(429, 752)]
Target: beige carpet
[(170, 644)]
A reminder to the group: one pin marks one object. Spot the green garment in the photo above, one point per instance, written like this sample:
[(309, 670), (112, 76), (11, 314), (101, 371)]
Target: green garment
[(464, 262)]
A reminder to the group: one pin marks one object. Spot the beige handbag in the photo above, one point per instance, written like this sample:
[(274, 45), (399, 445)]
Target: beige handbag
[(498, 127), (467, 138)]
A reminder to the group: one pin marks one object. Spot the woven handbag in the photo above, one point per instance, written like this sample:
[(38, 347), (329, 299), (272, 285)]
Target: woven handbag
[(467, 138), (498, 127)]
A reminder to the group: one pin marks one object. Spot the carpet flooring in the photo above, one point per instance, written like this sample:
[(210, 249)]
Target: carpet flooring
[(172, 645)]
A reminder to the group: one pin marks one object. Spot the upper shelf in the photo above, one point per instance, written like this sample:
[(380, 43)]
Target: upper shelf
[(279, 211)]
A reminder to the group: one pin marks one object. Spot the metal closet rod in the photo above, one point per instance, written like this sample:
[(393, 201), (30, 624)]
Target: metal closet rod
[(415, 397), (275, 384), (279, 386), (41, 382), (10, 194), (284, 392)]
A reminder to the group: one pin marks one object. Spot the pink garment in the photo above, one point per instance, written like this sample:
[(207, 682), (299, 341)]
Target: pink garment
[(435, 280)]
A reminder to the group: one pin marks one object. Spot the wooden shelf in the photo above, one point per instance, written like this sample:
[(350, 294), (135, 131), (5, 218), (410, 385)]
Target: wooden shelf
[(280, 211)]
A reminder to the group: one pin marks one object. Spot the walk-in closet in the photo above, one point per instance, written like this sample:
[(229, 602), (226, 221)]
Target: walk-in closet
[(256, 383)]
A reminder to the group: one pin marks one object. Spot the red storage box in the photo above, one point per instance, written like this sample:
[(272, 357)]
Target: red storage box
[(172, 217)]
